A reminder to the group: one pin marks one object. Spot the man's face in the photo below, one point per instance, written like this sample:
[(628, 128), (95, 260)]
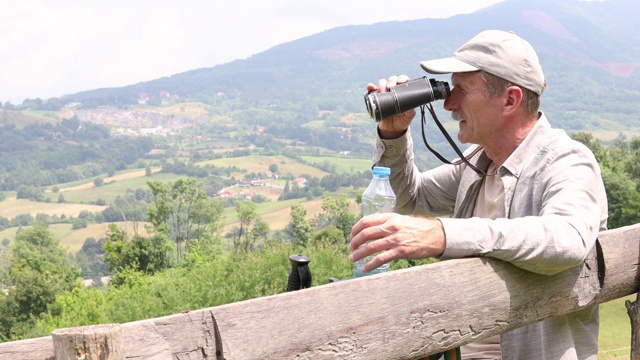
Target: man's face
[(476, 113)]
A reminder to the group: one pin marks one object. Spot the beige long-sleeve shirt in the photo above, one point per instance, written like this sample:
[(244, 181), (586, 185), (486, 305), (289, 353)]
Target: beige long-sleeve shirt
[(555, 205)]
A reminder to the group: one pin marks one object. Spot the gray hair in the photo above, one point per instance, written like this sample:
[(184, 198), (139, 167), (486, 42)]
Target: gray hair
[(495, 86)]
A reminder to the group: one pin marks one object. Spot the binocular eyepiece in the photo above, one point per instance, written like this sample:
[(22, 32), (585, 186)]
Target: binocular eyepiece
[(404, 97)]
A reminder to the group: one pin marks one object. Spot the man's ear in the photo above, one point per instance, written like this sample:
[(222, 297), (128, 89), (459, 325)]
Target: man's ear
[(512, 99)]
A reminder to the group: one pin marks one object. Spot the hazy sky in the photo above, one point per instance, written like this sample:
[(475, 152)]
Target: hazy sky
[(50, 48)]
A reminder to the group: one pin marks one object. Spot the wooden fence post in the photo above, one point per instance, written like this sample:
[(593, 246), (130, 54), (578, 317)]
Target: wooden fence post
[(95, 342), (633, 309)]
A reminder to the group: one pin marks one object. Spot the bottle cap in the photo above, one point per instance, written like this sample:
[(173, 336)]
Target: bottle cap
[(381, 170)]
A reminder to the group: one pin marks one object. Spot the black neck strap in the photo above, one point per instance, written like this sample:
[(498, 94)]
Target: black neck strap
[(448, 137)]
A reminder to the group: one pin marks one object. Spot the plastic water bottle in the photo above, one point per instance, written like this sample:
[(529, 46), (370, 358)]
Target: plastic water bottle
[(377, 198)]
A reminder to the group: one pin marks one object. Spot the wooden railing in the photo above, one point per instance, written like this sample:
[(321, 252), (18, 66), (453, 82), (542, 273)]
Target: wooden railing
[(403, 314)]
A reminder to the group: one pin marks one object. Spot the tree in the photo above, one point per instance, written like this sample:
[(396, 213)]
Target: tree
[(299, 229), (337, 213), (273, 168), (182, 210), (39, 271), (623, 199), (90, 259), (619, 165), (146, 254), (252, 227)]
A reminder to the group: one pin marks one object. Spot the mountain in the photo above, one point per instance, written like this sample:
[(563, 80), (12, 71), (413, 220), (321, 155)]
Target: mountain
[(588, 49)]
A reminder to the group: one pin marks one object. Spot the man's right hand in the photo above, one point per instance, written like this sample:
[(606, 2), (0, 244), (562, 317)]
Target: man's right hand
[(395, 126)]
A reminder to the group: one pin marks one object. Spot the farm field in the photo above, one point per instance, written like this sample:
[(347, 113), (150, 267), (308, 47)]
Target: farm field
[(72, 240), (111, 188), (342, 165), (12, 207), (277, 214), (260, 164), (123, 175), (22, 119)]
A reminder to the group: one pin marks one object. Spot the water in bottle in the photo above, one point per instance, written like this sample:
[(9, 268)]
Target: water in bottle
[(377, 198)]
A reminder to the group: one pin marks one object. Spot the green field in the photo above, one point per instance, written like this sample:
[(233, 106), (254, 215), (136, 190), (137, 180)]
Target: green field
[(109, 190), (341, 164), (615, 330), (24, 118)]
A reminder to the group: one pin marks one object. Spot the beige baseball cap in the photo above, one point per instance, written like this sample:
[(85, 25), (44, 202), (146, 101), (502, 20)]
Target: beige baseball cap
[(500, 53)]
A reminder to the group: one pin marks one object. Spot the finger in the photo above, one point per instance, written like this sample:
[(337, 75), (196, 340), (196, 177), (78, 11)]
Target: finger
[(393, 81), (370, 241), (382, 85), (355, 230), (403, 79), (380, 259), (371, 87), (376, 262), (409, 114), (363, 237), (361, 232), (359, 253)]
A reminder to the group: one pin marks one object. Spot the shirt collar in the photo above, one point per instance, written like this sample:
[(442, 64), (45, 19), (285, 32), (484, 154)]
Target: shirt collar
[(529, 146)]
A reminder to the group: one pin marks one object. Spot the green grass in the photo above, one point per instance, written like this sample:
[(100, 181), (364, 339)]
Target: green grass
[(315, 124), (22, 119), (342, 165), (615, 330), (90, 180), (109, 191)]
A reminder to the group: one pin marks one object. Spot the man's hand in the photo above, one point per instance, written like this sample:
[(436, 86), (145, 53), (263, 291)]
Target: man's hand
[(395, 126), (395, 237)]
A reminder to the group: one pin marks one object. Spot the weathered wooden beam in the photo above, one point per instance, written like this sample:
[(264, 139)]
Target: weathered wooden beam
[(96, 342), (403, 314)]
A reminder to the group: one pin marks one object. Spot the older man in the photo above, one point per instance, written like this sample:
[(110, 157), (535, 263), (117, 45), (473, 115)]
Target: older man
[(539, 205)]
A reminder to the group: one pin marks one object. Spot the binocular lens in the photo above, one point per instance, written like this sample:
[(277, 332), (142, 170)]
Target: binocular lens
[(404, 97)]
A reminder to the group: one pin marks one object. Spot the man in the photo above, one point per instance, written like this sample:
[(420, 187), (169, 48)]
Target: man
[(540, 204)]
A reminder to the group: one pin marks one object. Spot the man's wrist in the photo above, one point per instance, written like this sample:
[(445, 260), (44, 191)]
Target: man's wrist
[(390, 135)]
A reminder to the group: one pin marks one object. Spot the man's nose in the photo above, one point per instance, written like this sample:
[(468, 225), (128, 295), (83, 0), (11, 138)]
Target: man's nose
[(449, 104)]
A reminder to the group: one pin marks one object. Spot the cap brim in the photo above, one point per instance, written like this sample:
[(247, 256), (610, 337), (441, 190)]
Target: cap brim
[(446, 66)]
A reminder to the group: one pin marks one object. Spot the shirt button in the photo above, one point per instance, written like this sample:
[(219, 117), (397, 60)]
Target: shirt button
[(390, 147)]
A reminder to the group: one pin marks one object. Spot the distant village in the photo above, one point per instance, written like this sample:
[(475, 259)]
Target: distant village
[(246, 184)]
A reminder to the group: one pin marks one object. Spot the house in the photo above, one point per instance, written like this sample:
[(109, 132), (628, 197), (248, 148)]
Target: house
[(143, 98), (300, 182), (225, 194), (246, 194)]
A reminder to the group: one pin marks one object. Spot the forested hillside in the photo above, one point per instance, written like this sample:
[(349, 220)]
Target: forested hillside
[(589, 52)]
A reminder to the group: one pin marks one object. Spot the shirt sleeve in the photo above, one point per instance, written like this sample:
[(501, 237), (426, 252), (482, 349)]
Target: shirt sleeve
[(427, 193), (554, 222)]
